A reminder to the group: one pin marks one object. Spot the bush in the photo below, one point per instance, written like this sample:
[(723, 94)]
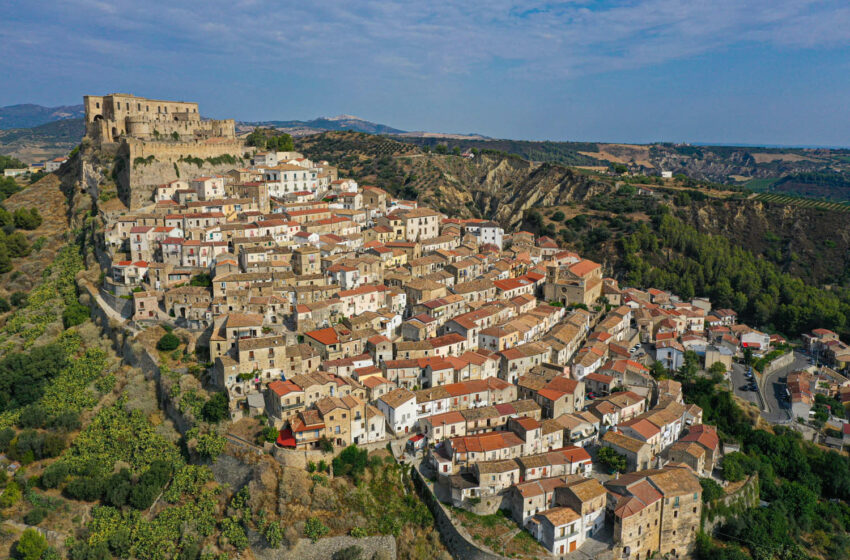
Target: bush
[(351, 461), (75, 314), (27, 218), (31, 546), (168, 342), (314, 529), (35, 516), (216, 409), (352, 552), (54, 475)]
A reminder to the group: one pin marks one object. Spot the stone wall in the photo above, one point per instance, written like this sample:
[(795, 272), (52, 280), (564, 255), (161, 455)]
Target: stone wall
[(782, 361), (715, 513), (137, 181), (459, 545), (324, 549)]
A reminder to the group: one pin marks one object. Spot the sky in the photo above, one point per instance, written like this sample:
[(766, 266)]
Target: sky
[(771, 72)]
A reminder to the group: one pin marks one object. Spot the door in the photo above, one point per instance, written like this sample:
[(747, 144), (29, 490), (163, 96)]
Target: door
[(573, 545)]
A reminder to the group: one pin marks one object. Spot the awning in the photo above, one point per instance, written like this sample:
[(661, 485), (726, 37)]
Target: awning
[(286, 439)]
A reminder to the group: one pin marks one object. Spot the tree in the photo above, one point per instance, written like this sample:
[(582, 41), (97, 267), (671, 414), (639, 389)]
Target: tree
[(558, 216), (35, 516), (10, 496), (216, 409), (18, 245), (31, 545), (613, 460), (28, 219), (710, 490), (75, 314), (211, 445), (203, 280), (168, 342), (717, 368)]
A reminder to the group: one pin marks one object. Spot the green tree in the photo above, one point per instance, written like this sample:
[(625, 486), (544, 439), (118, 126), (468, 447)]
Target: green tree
[(31, 545), (75, 314), (18, 245), (273, 533), (10, 496), (613, 460), (216, 409), (710, 490), (27, 218), (203, 280), (168, 342)]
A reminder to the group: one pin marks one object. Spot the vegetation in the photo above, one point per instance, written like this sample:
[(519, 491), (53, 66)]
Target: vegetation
[(806, 487), (614, 461), (270, 139), (731, 276), (203, 280), (168, 342)]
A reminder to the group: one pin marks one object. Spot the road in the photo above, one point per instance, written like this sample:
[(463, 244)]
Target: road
[(774, 390), (771, 390)]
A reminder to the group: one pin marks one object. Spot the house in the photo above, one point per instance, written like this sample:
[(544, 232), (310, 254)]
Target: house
[(557, 529), (655, 512), (670, 353), (638, 454), (399, 408)]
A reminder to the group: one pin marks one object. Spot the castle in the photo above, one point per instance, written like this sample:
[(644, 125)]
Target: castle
[(111, 118), (153, 140)]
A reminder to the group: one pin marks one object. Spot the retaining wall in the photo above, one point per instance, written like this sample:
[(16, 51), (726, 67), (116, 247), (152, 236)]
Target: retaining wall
[(460, 545), (782, 361), (747, 496)]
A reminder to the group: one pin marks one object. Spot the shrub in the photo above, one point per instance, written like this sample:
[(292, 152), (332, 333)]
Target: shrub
[(54, 475), (75, 314), (19, 299), (27, 218), (352, 552), (314, 529), (168, 342), (216, 409), (31, 546), (35, 516)]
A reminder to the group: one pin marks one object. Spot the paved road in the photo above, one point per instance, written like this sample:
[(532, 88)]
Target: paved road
[(774, 390), (739, 382)]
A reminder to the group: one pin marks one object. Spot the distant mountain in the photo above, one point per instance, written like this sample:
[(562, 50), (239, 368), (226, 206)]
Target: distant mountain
[(45, 141), (322, 124), (29, 115)]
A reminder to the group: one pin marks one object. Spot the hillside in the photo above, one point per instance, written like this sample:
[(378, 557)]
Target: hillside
[(491, 185), (592, 212), (28, 115), (322, 124), (818, 172), (45, 141)]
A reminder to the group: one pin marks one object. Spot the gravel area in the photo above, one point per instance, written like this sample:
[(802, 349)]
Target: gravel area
[(324, 549)]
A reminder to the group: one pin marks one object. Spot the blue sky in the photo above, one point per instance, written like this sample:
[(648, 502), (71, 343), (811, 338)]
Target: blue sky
[(724, 71)]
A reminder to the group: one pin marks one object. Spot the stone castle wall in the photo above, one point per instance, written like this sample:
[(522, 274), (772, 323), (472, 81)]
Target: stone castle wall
[(137, 181)]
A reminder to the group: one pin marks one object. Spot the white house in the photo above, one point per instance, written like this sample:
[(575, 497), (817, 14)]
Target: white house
[(399, 408)]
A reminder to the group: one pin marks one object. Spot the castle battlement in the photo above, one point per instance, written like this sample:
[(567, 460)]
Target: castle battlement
[(119, 116)]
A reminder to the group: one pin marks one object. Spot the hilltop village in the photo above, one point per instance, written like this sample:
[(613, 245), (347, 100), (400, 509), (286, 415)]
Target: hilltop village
[(513, 373)]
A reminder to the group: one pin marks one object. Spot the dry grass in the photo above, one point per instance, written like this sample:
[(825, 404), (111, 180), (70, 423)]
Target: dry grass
[(48, 199), (766, 158)]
